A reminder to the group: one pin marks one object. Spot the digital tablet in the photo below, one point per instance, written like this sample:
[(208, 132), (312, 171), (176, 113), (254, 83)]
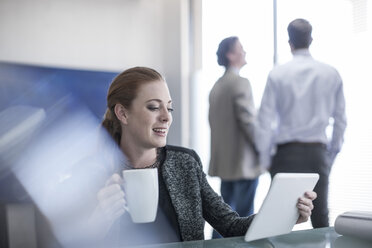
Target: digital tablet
[(278, 213)]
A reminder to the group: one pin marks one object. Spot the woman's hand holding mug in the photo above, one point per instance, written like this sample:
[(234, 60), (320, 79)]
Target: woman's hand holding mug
[(111, 199)]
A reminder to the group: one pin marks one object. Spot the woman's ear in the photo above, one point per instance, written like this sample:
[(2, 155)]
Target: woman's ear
[(121, 113)]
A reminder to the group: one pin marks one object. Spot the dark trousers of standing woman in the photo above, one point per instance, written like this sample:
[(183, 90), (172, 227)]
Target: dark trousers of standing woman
[(307, 158), (239, 194)]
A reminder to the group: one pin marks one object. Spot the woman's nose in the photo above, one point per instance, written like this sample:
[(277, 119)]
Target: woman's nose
[(165, 115)]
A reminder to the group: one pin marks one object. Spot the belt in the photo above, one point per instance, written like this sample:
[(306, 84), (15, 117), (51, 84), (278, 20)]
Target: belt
[(319, 144)]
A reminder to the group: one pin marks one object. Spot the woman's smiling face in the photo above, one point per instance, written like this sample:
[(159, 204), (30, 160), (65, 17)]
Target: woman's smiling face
[(149, 117)]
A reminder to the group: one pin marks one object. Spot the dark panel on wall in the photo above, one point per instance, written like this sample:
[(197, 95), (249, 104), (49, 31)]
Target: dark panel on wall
[(33, 99), (42, 86), (45, 88)]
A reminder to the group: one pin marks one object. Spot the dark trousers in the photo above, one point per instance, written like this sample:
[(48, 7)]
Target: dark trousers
[(307, 158), (239, 194)]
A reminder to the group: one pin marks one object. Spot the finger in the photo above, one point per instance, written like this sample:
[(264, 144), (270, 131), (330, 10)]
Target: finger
[(108, 191), (306, 201), (311, 195), (107, 202), (114, 179), (303, 208), (304, 214), (115, 208), (304, 211)]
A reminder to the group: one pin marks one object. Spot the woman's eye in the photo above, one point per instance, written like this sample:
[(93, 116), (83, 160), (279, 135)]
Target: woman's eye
[(170, 110), (153, 108)]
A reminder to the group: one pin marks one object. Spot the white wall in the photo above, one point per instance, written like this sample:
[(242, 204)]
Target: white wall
[(103, 35), (109, 35)]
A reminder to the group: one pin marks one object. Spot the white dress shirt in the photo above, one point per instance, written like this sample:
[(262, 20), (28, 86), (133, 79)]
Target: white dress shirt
[(300, 99)]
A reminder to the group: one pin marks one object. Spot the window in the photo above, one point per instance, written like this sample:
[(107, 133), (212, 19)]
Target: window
[(342, 36)]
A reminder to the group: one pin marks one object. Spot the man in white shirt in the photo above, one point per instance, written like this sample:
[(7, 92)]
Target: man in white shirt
[(300, 99)]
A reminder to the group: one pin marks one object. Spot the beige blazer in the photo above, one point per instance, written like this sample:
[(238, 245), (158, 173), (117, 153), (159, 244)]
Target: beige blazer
[(231, 118)]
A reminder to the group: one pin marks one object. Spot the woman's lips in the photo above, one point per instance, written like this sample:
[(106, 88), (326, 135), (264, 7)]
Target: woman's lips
[(160, 131)]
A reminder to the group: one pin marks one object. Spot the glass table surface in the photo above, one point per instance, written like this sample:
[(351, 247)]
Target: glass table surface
[(312, 238)]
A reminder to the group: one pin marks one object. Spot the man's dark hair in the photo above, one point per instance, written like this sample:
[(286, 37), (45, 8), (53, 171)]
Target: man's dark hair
[(225, 47), (299, 32)]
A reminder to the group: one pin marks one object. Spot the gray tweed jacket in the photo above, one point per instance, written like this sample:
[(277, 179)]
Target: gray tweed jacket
[(194, 200)]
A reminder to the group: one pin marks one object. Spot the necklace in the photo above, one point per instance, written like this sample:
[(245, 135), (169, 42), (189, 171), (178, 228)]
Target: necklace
[(156, 164)]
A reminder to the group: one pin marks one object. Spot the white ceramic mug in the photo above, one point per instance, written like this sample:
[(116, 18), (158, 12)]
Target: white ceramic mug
[(142, 193)]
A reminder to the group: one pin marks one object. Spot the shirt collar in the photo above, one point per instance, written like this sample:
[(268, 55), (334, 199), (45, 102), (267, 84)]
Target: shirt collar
[(301, 52)]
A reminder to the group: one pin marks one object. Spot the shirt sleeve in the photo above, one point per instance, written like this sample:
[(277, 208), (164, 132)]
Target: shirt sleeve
[(266, 122), (339, 124)]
